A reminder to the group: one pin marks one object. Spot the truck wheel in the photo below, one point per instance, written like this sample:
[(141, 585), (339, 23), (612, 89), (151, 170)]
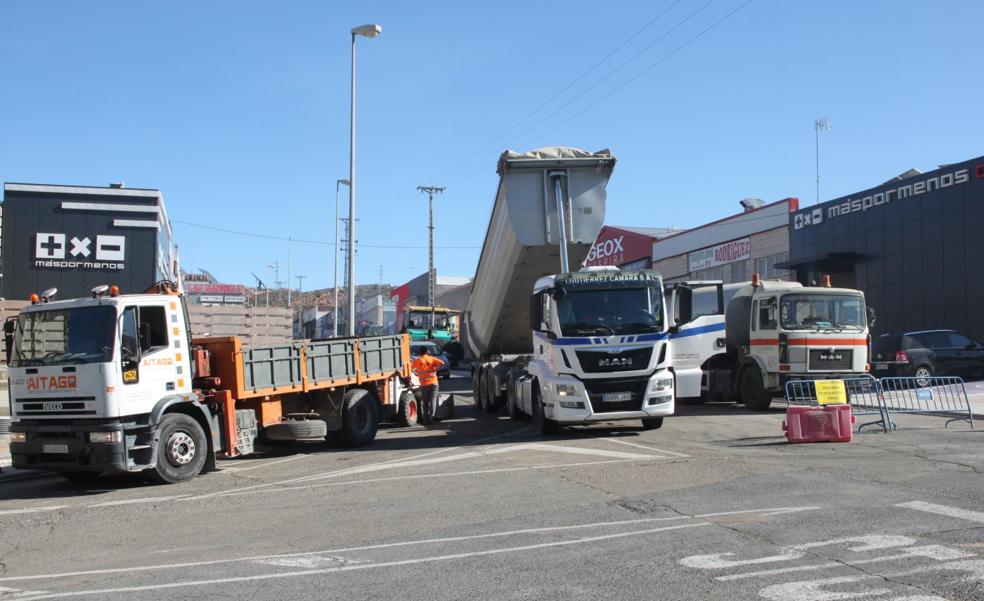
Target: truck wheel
[(80, 477), (511, 408), (547, 426), (753, 393), (181, 449), (490, 399), (408, 410), (652, 423), (360, 418), (478, 385), (295, 429)]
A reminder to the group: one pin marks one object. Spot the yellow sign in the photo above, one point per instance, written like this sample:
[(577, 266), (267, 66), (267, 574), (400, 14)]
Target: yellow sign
[(831, 392), (129, 376)]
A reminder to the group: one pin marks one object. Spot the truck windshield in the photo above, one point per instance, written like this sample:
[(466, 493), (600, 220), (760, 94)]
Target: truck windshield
[(64, 336), (606, 312), (822, 312), (422, 319)]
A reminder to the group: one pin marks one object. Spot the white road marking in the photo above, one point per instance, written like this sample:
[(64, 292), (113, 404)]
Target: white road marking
[(137, 501), (937, 552), (642, 446), (810, 590), (428, 541), (309, 562), (32, 510), (303, 478), (236, 470), (870, 542), (364, 566), (953, 512), (427, 459), (13, 593)]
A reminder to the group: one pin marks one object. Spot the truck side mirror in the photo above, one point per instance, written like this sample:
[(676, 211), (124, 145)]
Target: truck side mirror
[(8, 336), (685, 301), (536, 313)]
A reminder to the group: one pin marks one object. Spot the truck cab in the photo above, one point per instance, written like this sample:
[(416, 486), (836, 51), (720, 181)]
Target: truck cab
[(775, 331), (600, 349), (433, 324), (90, 377)]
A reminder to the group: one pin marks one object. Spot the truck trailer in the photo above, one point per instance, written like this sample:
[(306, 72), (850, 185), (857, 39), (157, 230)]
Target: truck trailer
[(116, 383), (570, 347)]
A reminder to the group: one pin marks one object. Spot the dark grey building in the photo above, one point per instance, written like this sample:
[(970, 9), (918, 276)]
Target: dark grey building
[(914, 245), (76, 237)]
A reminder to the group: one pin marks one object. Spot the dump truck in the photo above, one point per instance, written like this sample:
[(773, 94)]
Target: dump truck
[(556, 343), (116, 383), (753, 337)]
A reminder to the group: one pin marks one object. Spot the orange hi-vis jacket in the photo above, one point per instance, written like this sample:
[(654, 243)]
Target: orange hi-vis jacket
[(426, 369)]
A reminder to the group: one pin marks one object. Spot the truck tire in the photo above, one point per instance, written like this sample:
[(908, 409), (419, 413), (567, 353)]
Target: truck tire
[(477, 385), (753, 393), (408, 410), (511, 408), (360, 418), (488, 384), (295, 429), (652, 423), (181, 449), (547, 425)]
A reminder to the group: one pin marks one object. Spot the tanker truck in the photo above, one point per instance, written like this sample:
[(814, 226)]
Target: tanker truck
[(569, 347)]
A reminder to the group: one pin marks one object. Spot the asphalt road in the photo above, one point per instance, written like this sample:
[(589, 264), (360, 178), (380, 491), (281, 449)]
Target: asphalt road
[(713, 506)]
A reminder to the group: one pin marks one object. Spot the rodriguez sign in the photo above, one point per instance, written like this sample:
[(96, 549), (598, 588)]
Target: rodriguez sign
[(729, 252)]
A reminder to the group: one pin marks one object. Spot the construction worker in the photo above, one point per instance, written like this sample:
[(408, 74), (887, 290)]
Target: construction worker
[(426, 366)]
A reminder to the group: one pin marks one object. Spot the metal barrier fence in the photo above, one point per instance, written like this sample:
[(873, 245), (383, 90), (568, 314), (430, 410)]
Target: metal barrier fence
[(935, 395), (863, 394)]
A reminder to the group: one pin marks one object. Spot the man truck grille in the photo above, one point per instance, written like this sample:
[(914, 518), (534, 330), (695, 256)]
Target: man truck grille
[(598, 388), (830, 360), (603, 361)]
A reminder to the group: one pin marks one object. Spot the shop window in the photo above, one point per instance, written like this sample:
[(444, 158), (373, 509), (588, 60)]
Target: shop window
[(766, 267)]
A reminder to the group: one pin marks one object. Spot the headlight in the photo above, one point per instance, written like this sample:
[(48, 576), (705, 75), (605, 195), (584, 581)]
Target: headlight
[(105, 437), (571, 404), (18, 437), (660, 385), (566, 390)]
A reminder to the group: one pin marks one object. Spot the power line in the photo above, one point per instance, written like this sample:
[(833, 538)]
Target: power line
[(632, 79), (570, 85), (302, 241), (608, 75)]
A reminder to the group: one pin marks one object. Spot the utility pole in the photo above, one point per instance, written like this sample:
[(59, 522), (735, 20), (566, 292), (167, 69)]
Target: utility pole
[(290, 265), (431, 277), (275, 267), (819, 125), (300, 305), (348, 284)]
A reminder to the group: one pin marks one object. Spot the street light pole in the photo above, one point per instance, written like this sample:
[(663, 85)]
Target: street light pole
[(368, 31), (334, 320)]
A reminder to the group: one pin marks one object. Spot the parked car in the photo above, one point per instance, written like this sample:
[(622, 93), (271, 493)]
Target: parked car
[(444, 372), (927, 353)]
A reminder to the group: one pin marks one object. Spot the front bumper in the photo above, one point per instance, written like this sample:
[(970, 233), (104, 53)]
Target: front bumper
[(585, 403), (46, 442)]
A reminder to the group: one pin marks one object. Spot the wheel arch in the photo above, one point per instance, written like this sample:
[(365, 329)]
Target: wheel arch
[(193, 409)]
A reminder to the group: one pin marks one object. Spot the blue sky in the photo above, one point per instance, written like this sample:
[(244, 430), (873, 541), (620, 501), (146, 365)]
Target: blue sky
[(238, 110)]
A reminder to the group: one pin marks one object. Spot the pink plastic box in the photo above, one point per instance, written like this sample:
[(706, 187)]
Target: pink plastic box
[(830, 423)]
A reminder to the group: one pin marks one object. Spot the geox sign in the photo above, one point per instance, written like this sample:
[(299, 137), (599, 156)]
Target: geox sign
[(863, 203)]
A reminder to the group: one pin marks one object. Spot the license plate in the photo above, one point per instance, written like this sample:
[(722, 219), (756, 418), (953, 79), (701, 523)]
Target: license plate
[(55, 449), (881, 365), (616, 397)]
